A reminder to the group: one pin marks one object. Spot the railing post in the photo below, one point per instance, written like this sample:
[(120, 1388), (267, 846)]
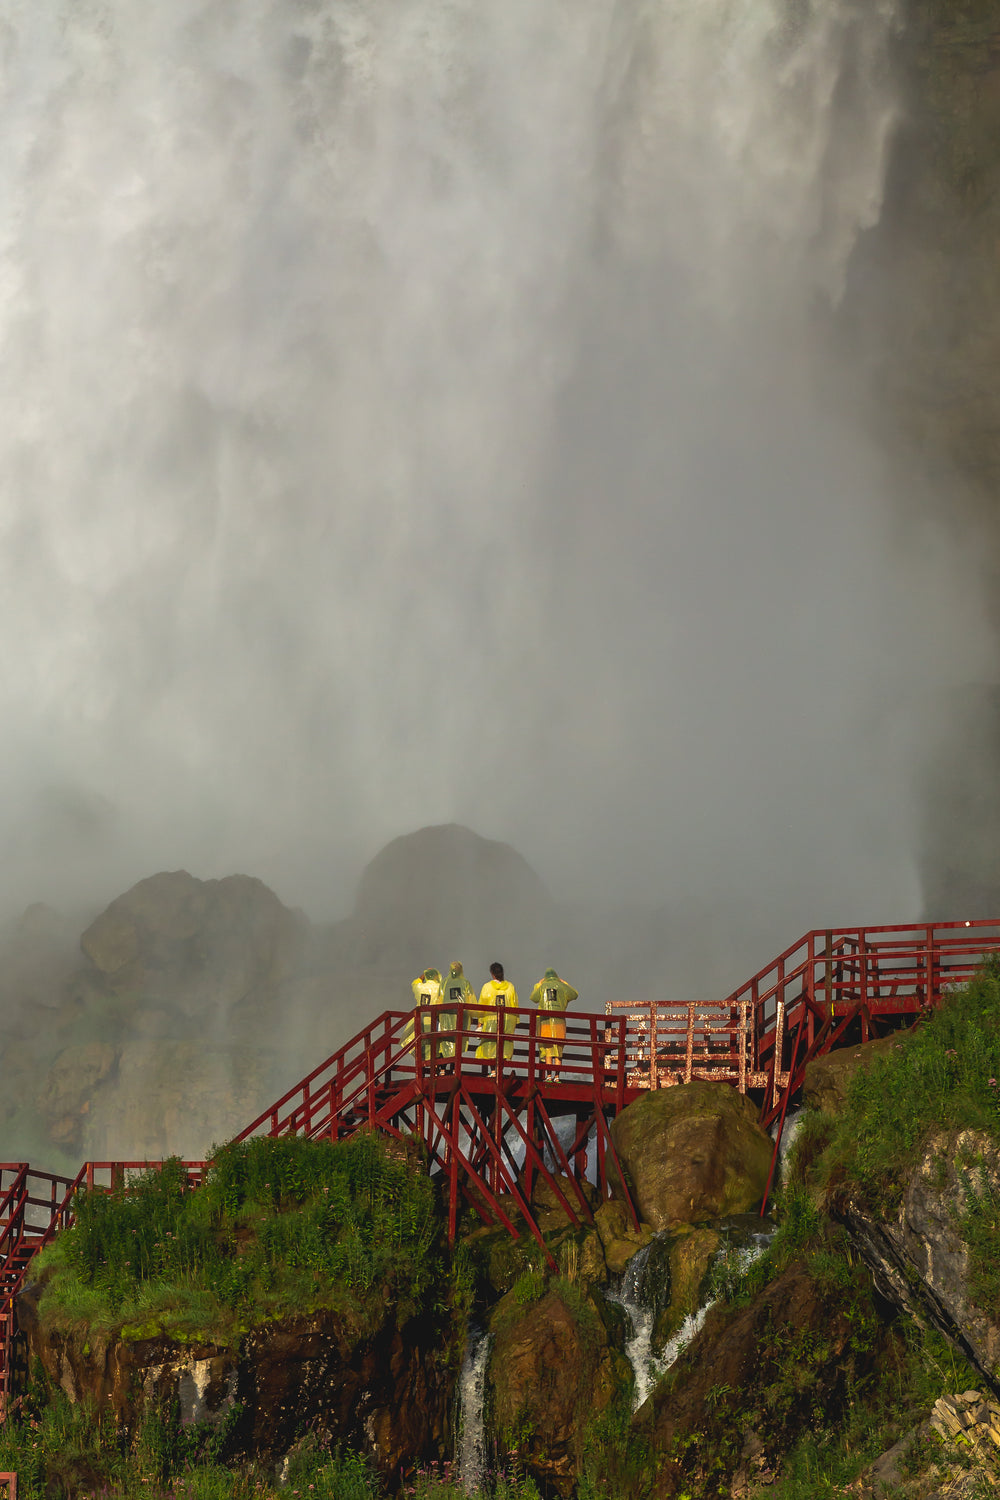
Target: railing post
[(654, 1064), (690, 1043), (622, 1050)]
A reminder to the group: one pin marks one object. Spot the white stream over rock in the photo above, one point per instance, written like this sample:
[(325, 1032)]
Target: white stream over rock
[(471, 1445), (641, 1294)]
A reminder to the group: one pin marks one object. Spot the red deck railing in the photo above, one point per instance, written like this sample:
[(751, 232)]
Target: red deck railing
[(404, 1074), (828, 978)]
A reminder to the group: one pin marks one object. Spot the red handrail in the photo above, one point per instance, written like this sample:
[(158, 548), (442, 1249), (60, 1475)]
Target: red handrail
[(814, 990)]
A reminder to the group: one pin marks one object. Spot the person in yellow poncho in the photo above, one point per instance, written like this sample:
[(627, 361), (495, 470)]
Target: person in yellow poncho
[(426, 991), (456, 990), (497, 991), (552, 995)]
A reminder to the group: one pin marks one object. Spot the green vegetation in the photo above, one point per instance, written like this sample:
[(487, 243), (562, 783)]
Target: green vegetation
[(799, 1224), (59, 1450), (918, 1368), (279, 1226), (943, 1076)]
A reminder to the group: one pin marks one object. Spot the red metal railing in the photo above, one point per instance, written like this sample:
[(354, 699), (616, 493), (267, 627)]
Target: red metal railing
[(826, 978), (409, 1050), (405, 1073), (34, 1206)]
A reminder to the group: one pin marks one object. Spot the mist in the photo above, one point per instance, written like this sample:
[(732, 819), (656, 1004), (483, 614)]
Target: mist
[(424, 413)]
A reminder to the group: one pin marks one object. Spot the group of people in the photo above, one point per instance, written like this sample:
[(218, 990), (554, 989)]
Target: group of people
[(551, 995)]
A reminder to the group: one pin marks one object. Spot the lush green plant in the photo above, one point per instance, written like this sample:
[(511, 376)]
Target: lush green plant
[(731, 1279), (58, 1450), (279, 1225), (828, 1457), (945, 1075), (529, 1287)]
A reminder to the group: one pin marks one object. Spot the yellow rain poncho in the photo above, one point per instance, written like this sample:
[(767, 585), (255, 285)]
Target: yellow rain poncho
[(426, 991), (456, 990), (497, 992), (552, 995)]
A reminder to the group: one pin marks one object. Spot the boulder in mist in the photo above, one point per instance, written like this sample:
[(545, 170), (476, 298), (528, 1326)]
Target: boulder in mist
[(446, 892), (197, 946)]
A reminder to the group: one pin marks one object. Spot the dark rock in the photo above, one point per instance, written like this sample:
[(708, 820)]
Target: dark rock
[(919, 1259), (360, 1381), (759, 1371), (552, 1370), (692, 1153)]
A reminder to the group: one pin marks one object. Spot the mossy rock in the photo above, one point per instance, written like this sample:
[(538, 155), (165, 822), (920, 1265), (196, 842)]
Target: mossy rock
[(580, 1257), (690, 1259), (501, 1259), (553, 1367), (829, 1077), (691, 1154)]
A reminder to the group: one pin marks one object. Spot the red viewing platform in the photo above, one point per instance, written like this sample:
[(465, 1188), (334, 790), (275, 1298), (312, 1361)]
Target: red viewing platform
[(493, 1129)]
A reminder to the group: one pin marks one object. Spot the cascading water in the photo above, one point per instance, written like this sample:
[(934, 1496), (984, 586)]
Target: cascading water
[(311, 308), (470, 1425), (644, 1292)]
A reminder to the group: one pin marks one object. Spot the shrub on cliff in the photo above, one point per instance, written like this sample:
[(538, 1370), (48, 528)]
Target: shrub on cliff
[(943, 1076), (278, 1226)]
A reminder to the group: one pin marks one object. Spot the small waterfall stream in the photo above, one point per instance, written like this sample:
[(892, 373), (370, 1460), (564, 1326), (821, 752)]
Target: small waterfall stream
[(470, 1426), (644, 1292)]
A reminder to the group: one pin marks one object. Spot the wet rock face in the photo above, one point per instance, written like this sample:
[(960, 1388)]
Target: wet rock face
[(692, 1153), (920, 1261), (387, 1391), (198, 945), (552, 1370), (66, 1091), (172, 1098), (747, 1383), (689, 1257)]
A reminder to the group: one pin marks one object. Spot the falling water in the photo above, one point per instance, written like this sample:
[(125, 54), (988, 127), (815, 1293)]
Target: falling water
[(305, 303), (470, 1417), (643, 1293)]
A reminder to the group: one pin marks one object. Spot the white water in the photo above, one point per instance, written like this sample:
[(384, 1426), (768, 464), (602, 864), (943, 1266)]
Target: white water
[(637, 1294), (471, 1395), (330, 324)]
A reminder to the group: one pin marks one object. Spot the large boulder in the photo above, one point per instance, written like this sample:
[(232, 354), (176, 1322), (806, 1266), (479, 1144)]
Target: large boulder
[(920, 1260), (552, 1370), (692, 1153), (445, 892)]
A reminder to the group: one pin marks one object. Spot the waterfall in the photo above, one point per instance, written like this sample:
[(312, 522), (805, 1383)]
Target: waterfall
[(470, 1419), (644, 1291), (311, 307)]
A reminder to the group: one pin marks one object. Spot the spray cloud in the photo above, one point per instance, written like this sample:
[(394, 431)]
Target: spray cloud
[(420, 412)]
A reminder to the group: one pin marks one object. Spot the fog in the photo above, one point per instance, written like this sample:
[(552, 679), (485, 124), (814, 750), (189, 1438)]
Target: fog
[(419, 412)]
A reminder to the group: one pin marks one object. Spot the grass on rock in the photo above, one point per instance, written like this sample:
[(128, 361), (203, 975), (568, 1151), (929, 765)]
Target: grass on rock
[(278, 1227)]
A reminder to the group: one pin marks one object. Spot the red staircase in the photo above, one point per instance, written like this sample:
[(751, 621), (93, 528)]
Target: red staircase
[(492, 1131)]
